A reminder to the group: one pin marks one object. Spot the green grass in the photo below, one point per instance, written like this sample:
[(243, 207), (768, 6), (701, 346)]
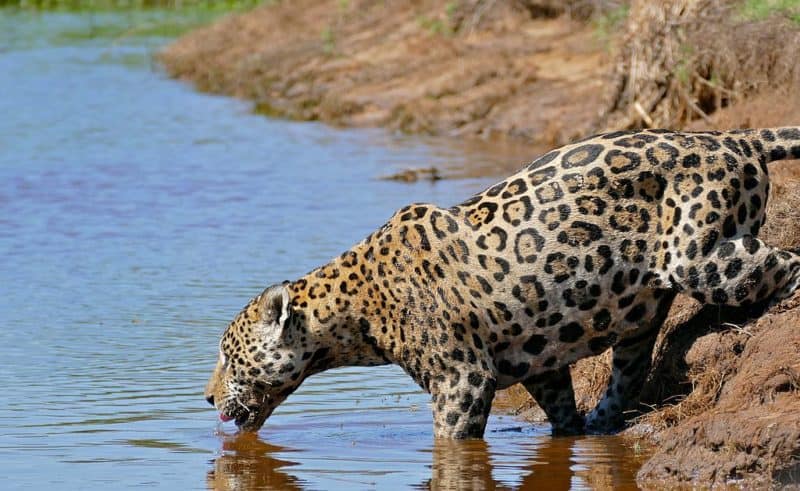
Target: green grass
[(328, 40), (135, 26), (435, 26), (69, 21), (128, 5), (607, 25), (762, 9)]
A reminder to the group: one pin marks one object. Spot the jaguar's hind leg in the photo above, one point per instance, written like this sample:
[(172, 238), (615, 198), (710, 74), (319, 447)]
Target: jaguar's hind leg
[(740, 271), (553, 391), (631, 360)]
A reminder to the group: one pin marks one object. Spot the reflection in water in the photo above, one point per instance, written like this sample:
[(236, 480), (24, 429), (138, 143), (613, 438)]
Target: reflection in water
[(551, 463), (247, 463), (596, 462), (561, 463), (461, 465), (599, 473)]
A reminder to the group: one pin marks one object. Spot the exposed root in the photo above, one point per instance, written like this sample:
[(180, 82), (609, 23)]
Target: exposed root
[(682, 60)]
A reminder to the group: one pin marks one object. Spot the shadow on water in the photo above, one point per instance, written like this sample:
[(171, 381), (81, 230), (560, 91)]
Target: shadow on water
[(247, 462)]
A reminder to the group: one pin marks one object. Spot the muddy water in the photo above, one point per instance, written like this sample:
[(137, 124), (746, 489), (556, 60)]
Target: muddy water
[(136, 217)]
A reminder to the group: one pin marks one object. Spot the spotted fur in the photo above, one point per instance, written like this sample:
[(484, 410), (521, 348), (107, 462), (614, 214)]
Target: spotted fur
[(580, 251)]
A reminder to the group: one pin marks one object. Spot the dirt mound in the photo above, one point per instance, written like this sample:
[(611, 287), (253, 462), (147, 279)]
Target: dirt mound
[(746, 406), (725, 384)]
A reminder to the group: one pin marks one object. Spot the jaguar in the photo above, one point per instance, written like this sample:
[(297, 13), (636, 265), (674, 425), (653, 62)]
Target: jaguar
[(581, 251)]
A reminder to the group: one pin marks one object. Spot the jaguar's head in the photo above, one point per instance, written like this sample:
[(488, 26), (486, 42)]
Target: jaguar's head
[(262, 359)]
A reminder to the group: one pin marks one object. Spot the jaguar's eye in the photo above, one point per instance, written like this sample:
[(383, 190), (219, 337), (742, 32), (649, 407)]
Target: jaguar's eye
[(223, 360)]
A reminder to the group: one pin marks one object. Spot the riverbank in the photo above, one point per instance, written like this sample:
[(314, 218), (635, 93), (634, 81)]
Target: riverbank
[(420, 67), (722, 403), (522, 70)]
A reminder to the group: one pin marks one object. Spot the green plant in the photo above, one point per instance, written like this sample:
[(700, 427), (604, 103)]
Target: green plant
[(762, 9), (328, 41), (607, 24), (450, 9), (683, 68), (435, 25)]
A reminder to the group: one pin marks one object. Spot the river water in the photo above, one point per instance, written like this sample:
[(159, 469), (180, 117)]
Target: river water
[(137, 217)]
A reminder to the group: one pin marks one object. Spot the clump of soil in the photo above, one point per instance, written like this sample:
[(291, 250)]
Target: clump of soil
[(414, 175)]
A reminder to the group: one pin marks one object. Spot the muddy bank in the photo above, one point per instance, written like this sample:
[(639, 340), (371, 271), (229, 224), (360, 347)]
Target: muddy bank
[(539, 71), (746, 426), (722, 404)]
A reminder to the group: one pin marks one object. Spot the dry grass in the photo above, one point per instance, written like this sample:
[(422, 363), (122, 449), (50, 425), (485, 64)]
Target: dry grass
[(692, 383)]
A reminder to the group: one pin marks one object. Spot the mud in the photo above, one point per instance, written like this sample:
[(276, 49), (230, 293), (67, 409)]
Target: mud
[(726, 382), (747, 429)]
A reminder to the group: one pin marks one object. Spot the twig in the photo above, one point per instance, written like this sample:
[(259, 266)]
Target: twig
[(645, 117), (714, 86), (688, 100), (482, 8), (737, 328)]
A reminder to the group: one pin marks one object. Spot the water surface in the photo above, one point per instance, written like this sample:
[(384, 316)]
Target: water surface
[(137, 217)]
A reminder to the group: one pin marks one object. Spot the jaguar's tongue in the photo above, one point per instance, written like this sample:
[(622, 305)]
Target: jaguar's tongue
[(224, 418)]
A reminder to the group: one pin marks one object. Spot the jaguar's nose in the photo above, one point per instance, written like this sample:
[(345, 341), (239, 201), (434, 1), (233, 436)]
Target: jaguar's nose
[(210, 399)]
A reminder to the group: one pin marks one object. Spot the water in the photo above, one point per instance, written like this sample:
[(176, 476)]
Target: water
[(136, 218)]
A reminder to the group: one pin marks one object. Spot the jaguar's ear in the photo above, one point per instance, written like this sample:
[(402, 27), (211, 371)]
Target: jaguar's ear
[(275, 306)]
